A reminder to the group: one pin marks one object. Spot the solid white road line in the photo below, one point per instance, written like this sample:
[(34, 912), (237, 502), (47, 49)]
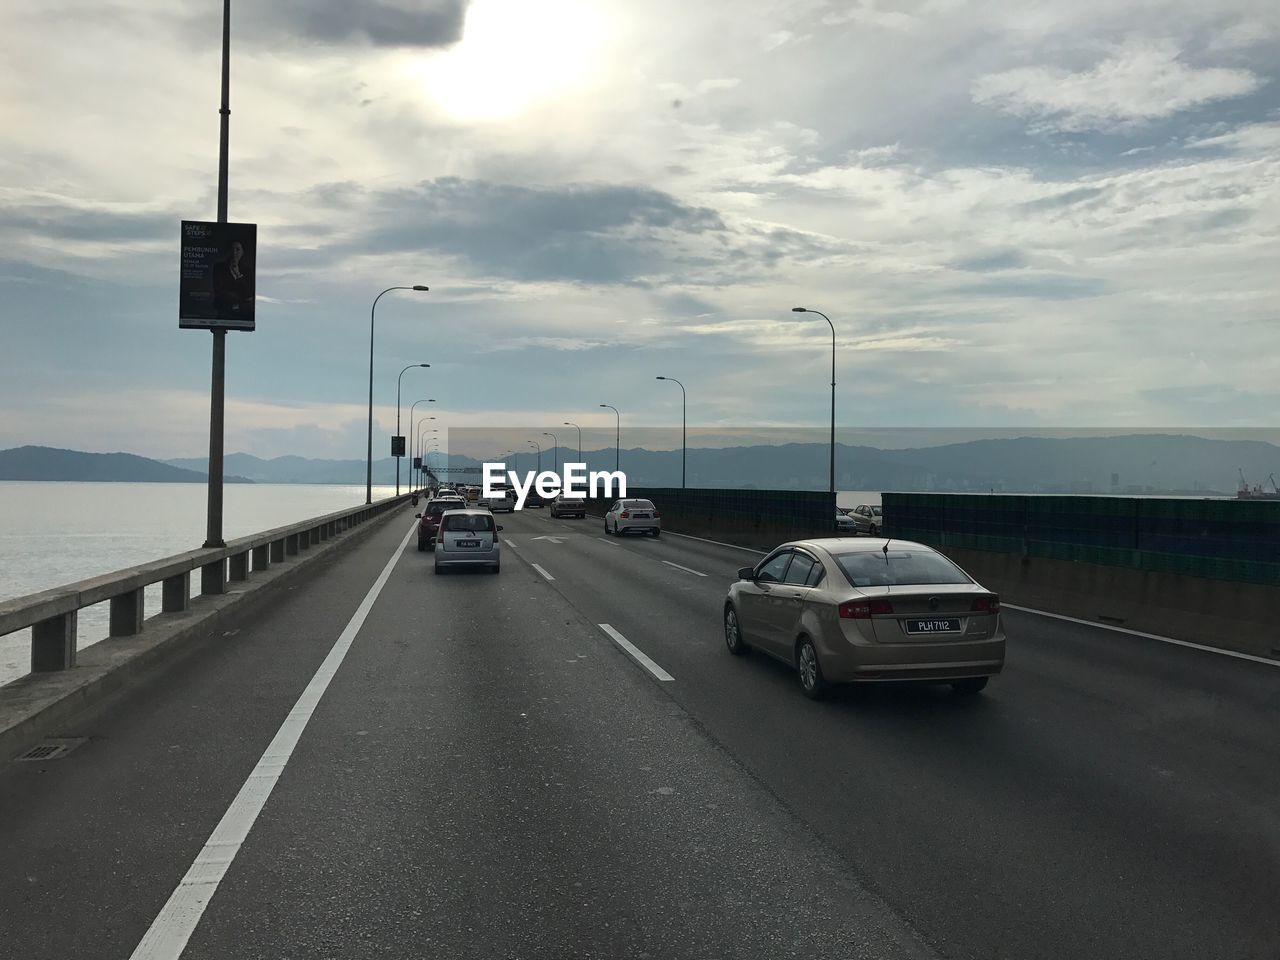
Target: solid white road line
[(172, 928), (636, 654), (541, 571), (718, 543), (696, 573), (612, 543), (1146, 636)]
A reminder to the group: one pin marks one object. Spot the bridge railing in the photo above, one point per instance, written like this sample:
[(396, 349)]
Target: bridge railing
[(52, 614)]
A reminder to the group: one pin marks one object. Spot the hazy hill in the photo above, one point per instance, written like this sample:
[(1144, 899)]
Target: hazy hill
[(292, 469), (51, 463)]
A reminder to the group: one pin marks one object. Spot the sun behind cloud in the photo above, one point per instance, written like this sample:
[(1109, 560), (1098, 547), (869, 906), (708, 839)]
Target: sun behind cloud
[(513, 55)]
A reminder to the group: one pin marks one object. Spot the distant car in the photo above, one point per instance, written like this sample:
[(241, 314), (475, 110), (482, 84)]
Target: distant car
[(639, 515), (563, 506), (468, 538), (867, 519), (842, 610), (502, 500), (532, 499), (430, 519), (472, 494), (844, 523)]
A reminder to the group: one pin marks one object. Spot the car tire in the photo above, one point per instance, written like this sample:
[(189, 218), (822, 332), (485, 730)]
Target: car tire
[(496, 567), (733, 632), (421, 546), (969, 686), (656, 533), (809, 670), (439, 569), (875, 531)]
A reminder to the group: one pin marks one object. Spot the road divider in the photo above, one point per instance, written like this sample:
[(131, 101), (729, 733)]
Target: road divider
[(636, 653)]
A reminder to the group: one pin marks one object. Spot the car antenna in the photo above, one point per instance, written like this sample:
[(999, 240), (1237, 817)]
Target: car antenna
[(886, 549)]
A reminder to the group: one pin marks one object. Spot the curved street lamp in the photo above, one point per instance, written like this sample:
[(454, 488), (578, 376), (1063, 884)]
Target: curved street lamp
[(539, 446), (833, 389), (413, 437), (684, 442), (368, 469), (579, 429), (398, 379), (555, 451), (617, 437)]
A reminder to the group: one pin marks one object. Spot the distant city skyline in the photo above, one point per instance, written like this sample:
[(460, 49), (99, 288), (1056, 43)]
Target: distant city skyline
[(1017, 216)]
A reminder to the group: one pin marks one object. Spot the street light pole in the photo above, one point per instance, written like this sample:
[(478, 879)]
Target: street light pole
[(415, 450), (579, 429), (833, 389), (684, 436), (422, 429), (398, 379), (368, 472), (539, 446), (217, 389), (617, 441), (555, 451)]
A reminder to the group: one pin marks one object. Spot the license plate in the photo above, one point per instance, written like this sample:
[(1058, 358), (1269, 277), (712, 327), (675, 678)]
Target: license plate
[(951, 625), (468, 543)]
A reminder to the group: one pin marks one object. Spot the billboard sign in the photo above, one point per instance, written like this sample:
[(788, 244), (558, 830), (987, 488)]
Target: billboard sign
[(417, 463), (397, 446), (216, 280)]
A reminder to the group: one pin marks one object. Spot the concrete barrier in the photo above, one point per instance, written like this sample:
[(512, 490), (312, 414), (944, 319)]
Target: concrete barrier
[(760, 519), (1217, 613)]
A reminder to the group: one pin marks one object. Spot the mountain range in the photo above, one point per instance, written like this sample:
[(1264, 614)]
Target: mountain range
[(52, 463), (1166, 463)]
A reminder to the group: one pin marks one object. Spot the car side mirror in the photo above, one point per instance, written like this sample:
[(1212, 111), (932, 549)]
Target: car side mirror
[(747, 573), (499, 526), (418, 515)]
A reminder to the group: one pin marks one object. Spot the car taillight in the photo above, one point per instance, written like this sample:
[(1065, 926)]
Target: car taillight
[(989, 604), (864, 609), (623, 514), (656, 515)]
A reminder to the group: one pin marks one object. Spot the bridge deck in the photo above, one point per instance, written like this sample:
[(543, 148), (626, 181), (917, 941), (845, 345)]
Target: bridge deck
[(488, 773)]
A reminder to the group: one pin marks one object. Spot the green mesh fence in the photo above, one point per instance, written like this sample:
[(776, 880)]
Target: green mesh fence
[(1217, 539)]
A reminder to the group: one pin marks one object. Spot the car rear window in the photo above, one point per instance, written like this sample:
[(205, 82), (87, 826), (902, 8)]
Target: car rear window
[(638, 505), (874, 568), (472, 522)]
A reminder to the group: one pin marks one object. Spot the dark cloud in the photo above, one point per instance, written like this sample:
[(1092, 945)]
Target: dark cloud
[(1065, 199), (996, 260), (57, 221), (379, 23), (583, 233), (1039, 286)]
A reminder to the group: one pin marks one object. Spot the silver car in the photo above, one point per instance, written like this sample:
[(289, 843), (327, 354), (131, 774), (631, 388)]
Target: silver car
[(844, 523), (844, 610), (565, 506), (502, 500), (639, 515), (468, 538), (867, 519)]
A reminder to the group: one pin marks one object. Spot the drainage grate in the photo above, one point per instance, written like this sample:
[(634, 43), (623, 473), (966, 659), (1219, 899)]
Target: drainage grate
[(54, 749)]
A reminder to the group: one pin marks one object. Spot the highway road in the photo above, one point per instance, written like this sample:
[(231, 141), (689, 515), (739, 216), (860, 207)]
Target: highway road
[(563, 761)]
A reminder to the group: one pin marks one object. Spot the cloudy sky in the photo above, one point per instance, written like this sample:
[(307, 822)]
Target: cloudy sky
[(1031, 214)]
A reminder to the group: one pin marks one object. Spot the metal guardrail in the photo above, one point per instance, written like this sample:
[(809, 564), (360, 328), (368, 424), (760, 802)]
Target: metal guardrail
[(52, 614)]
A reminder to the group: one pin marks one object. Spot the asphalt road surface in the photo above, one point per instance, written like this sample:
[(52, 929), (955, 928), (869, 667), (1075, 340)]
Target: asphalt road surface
[(563, 761)]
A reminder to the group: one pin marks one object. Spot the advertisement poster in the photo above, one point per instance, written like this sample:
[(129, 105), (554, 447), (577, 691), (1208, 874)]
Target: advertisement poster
[(216, 287)]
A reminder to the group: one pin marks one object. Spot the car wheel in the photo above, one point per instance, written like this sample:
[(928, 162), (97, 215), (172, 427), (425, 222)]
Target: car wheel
[(656, 533), (421, 546), (810, 670), (495, 568), (970, 686), (733, 633), (875, 531), (439, 569)]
